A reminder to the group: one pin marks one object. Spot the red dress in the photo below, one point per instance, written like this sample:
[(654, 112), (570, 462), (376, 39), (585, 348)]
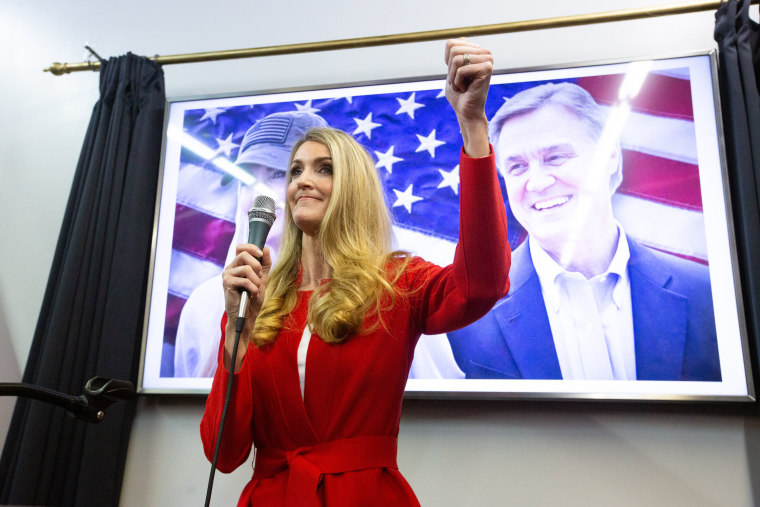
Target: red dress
[(336, 446)]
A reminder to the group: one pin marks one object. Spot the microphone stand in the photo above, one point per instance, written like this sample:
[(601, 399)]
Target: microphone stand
[(99, 393)]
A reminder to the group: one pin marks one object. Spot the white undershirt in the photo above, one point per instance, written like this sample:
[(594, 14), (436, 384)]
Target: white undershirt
[(591, 319), (303, 347)]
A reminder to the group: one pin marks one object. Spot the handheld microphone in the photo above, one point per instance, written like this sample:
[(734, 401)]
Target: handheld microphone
[(261, 216), (260, 219)]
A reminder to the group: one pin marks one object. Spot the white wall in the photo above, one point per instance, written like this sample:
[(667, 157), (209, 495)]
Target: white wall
[(453, 453)]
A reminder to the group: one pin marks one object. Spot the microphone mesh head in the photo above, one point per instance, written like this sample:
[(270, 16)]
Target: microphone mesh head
[(262, 209)]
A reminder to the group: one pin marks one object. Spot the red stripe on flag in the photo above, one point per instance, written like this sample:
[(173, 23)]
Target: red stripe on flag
[(174, 305), (660, 95), (662, 180), (202, 235)]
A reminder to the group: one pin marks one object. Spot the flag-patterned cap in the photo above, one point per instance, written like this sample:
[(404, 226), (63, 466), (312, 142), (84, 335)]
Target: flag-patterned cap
[(269, 141)]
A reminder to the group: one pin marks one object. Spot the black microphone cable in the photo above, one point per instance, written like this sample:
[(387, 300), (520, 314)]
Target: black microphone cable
[(230, 379), (260, 219)]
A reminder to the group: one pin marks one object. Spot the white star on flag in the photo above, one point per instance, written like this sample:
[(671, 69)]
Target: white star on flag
[(307, 107), (450, 179), (406, 198), (387, 159), (365, 126), (442, 93), (226, 145), (429, 143), (211, 113), (408, 106)]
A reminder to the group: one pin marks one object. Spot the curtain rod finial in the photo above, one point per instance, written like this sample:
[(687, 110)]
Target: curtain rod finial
[(57, 69)]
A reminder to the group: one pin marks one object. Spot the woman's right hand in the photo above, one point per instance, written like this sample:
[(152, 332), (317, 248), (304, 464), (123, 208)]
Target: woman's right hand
[(244, 273)]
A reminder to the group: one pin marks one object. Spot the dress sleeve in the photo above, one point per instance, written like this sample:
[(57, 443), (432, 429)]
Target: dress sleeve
[(459, 294), (237, 437)]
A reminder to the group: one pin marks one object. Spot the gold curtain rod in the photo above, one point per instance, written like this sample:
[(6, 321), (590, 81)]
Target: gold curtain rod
[(384, 40)]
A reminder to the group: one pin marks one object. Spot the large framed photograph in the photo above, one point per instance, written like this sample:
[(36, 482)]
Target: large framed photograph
[(624, 279)]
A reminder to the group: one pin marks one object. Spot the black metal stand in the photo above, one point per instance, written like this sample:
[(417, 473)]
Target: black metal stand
[(99, 394)]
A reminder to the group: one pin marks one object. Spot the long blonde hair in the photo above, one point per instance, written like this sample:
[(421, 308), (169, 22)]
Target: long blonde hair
[(356, 241)]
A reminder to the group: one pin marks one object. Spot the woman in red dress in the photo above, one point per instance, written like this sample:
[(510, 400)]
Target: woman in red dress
[(330, 330)]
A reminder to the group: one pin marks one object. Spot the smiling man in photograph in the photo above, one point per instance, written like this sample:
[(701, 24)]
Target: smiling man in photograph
[(587, 302)]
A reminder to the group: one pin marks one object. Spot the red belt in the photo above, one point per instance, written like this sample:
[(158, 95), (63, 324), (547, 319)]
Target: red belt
[(308, 464)]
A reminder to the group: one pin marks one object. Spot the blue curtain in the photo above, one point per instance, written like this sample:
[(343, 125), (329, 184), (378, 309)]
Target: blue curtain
[(91, 318)]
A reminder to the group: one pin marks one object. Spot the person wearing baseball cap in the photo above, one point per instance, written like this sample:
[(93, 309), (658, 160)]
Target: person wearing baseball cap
[(264, 154)]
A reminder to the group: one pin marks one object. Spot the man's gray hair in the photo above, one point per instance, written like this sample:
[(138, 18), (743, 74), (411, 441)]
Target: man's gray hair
[(569, 95)]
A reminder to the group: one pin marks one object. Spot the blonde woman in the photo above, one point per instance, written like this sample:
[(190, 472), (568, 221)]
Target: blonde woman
[(331, 329)]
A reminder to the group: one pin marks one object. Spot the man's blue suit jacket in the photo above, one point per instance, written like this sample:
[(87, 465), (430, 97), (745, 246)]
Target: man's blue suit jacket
[(673, 324)]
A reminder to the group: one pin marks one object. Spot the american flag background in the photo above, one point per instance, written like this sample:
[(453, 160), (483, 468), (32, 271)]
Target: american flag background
[(414, 139)]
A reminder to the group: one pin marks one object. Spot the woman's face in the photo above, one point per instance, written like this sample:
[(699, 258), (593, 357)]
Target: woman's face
[(310, 183)]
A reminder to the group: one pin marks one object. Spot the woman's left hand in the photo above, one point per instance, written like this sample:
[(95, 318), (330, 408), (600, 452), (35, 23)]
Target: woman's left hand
[(469, 75)]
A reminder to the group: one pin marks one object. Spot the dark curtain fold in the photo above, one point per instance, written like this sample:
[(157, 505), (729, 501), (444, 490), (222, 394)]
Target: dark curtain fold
[(738, 39), (92, 312)]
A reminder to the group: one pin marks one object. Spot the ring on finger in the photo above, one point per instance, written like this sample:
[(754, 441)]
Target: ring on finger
[(466, 57)]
